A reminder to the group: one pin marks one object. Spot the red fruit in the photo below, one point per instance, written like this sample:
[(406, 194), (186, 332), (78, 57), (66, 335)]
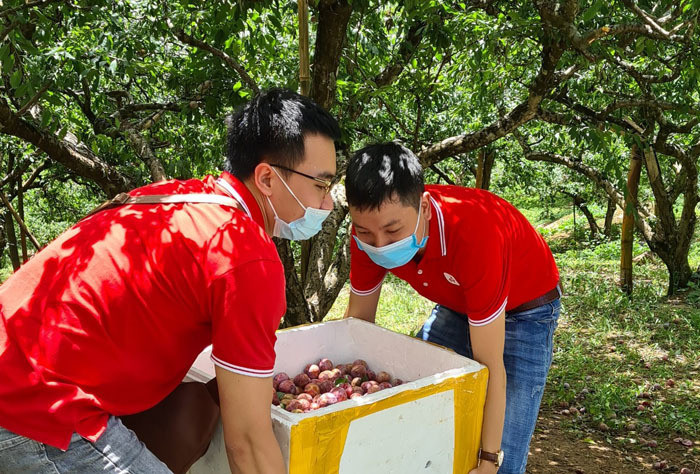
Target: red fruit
[(371, 375), (304, 404), (396, 382), (312, 389), (344, 369), (347, 387), (358, 390), (361, 362), (652, 443), (284, 402), (356, 382), (358, 370), (314, 406), (287, 386), (325, 386), (301, 380), (327, 399), (685, 470), (279, 378), (382, 377), (366, 385), (355, 395), (670, 383), (326, 375), (305, 396), (312, 370), (385, 385), (335, 373), (294, 405), (340, 393), (641, 407), (374, 388), (275, 398), (325, 364)]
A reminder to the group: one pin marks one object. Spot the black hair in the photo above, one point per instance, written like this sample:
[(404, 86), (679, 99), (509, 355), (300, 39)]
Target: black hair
[(272, 126), (382, 172)]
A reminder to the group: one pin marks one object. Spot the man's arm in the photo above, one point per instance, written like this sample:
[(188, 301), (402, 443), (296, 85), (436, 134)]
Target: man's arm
[(245, 413), (363, 307), (487, 347)]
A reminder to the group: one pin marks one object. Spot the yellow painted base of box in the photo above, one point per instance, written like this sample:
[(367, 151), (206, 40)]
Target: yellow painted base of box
[(317, 443)]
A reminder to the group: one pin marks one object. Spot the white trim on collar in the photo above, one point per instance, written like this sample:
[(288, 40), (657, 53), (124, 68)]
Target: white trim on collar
[(234, 194), (441, 226)]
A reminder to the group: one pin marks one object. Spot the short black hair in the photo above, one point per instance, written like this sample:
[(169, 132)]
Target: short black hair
[(273, 125), (382, 172)]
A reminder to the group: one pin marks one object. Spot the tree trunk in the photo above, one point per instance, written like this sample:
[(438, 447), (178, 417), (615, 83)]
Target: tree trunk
[(483, 169), (11, 238), (627, 234), (592, 224), (20, 211), (609, 214), (333, 18), (3, 238)]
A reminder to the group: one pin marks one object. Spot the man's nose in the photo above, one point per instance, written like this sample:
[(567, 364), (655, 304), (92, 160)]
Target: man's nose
[(327, 203)]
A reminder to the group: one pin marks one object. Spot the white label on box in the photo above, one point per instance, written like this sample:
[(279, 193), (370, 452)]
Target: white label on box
[(416, 436)]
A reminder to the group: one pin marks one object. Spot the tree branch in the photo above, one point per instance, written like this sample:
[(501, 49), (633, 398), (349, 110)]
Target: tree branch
[(522, 113), (408, 46), (68, 151), (232, 63)]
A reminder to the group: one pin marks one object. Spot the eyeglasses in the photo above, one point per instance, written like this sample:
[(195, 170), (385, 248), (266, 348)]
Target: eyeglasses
[(327, 184)]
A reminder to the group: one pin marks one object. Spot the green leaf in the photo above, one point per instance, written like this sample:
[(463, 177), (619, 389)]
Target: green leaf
[(16, 79)]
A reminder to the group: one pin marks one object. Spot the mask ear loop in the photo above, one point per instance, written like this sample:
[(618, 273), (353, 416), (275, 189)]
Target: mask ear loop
[(288, 189)]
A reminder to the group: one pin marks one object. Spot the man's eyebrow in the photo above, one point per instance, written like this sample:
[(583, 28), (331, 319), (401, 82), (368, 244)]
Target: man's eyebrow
[(327, 176), (390, 223)]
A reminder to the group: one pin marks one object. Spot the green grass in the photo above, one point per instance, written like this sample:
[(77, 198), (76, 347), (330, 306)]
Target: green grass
[(400, 308), (609, 348)]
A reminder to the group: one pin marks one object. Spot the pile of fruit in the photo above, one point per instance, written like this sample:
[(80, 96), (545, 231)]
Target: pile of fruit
[(322, 384)]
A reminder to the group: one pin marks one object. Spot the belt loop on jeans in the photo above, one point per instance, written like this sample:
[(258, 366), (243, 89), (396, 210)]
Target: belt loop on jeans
[(548, 297)]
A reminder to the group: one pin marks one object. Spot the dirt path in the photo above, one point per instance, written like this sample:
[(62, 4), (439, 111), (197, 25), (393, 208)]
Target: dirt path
[(555, 449)]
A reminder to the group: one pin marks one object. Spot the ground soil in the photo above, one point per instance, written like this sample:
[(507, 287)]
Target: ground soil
[(557, 448)]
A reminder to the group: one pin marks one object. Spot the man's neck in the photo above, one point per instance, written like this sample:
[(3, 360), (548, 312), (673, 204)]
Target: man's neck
[(260, 201)]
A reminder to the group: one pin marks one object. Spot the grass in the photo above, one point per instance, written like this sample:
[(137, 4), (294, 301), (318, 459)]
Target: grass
[(628, 363)]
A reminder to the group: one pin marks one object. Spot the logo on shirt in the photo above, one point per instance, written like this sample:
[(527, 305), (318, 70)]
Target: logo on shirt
[(451, 279)]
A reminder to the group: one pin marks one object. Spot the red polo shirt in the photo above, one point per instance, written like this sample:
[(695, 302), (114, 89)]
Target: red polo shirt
[(482, 256), (108, 318)]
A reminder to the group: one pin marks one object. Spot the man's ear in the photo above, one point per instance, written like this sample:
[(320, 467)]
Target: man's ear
[(426, 207), (262, 175)]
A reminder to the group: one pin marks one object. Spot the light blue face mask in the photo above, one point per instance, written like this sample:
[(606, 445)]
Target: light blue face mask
[(395, 254), (303, 228)]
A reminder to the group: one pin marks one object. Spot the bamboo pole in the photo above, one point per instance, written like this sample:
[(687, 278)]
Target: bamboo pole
[(304, 70)]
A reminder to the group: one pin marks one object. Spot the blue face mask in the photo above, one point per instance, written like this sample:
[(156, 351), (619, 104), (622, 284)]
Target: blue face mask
[(303, 228), (396, 254)]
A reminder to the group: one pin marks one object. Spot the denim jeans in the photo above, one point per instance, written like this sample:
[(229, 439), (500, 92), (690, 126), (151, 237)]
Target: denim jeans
[(118, 450), (527, 356)]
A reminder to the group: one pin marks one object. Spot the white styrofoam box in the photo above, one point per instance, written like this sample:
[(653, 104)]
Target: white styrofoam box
[(393, 430)]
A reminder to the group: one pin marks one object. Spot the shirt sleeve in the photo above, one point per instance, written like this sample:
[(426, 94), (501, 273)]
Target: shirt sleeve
[(486, 275), (366, 277), (248, 303)]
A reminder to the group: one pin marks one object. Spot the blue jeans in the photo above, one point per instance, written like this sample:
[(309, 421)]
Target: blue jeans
[(527, 356), (118, 450)]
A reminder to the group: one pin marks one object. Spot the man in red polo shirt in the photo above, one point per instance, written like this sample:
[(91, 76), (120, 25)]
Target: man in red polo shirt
[(491, 274), (107, 319)]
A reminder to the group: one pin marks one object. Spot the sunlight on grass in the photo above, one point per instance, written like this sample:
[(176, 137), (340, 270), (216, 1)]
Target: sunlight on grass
[(400, 309)]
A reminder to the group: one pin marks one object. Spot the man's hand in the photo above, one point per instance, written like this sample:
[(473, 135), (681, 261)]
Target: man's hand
[(245, 413), (485, 467)]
